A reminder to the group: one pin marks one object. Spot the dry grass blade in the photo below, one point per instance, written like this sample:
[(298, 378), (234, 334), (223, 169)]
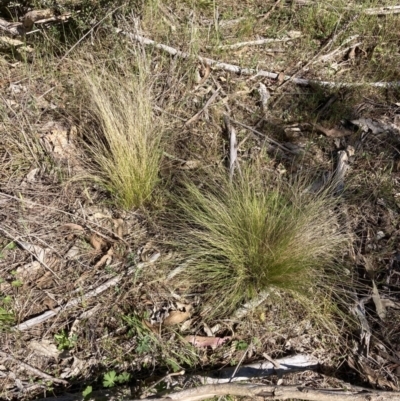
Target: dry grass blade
[(126, 150)]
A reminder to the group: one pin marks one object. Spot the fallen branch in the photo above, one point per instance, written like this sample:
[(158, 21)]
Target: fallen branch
[(249, 71), (261, 369), (251, 391), (278, 393), (382, 10)]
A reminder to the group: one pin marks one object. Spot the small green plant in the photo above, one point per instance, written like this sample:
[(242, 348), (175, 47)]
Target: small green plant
[(88, 390), (144, 345), (65, 342), (6, 317), (10, 246), (110, 379), (145, 339), (241, 345), (17, 283), (253, 234), (126, 147)]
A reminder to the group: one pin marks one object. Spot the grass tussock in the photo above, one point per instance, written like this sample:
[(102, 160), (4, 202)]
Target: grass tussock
[(251, 235), (126, 148)]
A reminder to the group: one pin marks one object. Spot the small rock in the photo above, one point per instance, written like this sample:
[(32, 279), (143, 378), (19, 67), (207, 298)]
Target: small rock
[(380, 235)]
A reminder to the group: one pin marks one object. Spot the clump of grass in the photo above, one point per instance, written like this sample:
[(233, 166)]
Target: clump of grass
[(126, 148), (254, 234)]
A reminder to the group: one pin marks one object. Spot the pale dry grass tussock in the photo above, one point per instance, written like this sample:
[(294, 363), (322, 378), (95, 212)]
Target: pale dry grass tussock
[(125, 147)]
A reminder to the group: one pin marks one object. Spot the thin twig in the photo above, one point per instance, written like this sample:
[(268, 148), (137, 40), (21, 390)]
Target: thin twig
[(239, 364), (258, 42), (249, 71), (233, 146), (292, 78), (76, 301), (87, 223), (87, 34), (26, 248), (268, 139), (30, 368), (197, 115)]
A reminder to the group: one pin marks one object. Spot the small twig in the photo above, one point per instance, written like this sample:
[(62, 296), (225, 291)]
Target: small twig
[(166, 377), (197, 115), (30, 368), (266, 16), (26, 248), (87, 34), (268, 139), (239, 364), (323, 48), (233, 146), (86, 222)]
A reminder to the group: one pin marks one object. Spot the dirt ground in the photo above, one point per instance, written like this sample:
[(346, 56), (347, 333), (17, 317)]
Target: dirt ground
[(87, 299)]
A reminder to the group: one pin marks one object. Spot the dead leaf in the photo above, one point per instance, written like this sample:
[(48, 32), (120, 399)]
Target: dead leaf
[(352, 53), (105, 259), (35, 250), (176, 317), (332, 132), (73, 227), (31, 176), (202, 342), (73, 252), (388, 303), (77, 366), (380, 308), (151, 327), (35, 15), (44, 348), (119, 227), (96, 242), (281, 77), (190, 165)]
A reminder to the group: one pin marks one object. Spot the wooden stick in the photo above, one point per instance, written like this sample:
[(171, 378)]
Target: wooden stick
[(233, 146), (249, 71), (252, 391), (256, 42)]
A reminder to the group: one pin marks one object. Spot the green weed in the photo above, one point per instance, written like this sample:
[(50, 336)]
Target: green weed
[(110, 379), (64, 341)]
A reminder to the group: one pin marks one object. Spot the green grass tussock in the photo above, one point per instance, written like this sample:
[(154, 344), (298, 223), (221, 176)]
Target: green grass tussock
[(250, 235), (126, 150)]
